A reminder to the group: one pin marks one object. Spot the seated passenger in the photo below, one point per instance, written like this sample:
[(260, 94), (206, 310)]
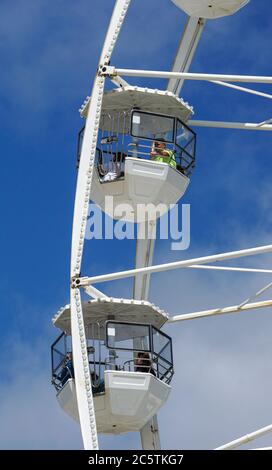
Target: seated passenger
[(143, 363), (117, 167), (67, 371), (160, 153), (98, 385)]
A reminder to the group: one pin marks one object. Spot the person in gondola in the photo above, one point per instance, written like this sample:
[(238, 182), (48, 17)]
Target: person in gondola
[(143, 363), (159, 153), (67, 371)]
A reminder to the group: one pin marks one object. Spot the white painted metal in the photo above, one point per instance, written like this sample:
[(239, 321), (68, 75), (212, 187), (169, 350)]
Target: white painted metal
[(177, 265), (247, 438), (125, 99), (268, 121), (102, 309), (150, 437), (144, 257), (248, 126), (187, 47), (117, 19), (146, 237), (192, 76), (231, 268), (257, 294), (263, 448), (82, 374), (129, 401), (85, 175), (119, 82), (145, 193), (132, 410), (241, 88), (95, 293), (210, 8), (220, 311)]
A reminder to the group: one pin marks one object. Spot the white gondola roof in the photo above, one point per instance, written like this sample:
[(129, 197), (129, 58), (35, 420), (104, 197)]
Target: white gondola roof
[(210, 8), (125, 99), (123, 310)]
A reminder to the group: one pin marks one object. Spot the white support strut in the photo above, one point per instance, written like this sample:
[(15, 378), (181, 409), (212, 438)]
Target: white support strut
[(85, 281), (220, 311), (85, 174), (247, 438), (186, 51), (82, 375), (241, 88), (247, 126), (119, 82), (257, 294), (95, 293), (208, 77), (231, 268)]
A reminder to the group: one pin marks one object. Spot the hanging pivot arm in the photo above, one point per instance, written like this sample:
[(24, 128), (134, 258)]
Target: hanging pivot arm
[(146, 237), (186, 51)]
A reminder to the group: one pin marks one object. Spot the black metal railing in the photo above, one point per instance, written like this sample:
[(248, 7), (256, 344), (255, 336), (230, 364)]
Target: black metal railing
[(154, 356), (121, 141), (142, 348)]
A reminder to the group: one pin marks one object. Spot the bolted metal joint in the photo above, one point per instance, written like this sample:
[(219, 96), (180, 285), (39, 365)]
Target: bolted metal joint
[(75, 282), (107, 71)]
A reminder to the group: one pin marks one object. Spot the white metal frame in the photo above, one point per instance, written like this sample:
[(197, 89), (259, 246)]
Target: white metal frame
[(145, 248), (186, 51), (208, 77), (85, 174), (85, 281), (247, 126), (220, 311), (247, 438)]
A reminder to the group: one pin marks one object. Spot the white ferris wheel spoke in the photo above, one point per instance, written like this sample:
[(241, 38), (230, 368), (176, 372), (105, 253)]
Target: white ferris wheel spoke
[(241, 88), (84, 182), (95, 293), (246, 126), (220, 311), (231, 268), (85, 281), (82, 374), (247, 438), (208, 77), (257, 294)]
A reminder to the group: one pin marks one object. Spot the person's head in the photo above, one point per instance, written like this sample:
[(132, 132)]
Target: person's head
[(69, 356), (141, 356), (160, 144)]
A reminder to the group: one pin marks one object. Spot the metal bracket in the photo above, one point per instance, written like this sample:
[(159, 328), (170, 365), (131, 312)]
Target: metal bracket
[(75, 282), (107, 71)]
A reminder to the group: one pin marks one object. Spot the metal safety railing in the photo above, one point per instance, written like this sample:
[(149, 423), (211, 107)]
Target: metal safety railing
[(157, 360), (118, 140)]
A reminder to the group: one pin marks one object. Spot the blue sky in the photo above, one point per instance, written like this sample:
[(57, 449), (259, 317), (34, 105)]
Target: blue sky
[(48, 61)]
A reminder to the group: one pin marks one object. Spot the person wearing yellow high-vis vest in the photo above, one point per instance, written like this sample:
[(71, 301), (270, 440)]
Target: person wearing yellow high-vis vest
[(159, 153)]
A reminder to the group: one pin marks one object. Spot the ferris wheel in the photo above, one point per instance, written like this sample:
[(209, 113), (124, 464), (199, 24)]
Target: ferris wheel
[(112, 365)]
